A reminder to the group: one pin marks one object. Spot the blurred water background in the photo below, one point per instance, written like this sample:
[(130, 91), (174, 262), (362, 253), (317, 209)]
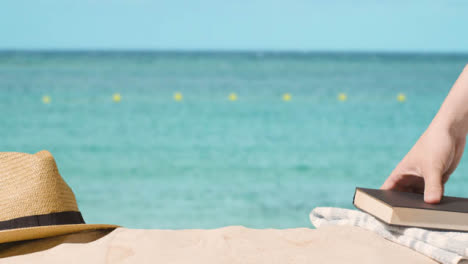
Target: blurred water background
[(149, 161)]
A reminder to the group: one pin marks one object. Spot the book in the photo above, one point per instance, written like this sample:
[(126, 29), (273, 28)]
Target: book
[(409, 209)]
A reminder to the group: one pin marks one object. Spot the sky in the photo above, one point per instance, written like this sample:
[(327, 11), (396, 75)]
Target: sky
[(291, 25)]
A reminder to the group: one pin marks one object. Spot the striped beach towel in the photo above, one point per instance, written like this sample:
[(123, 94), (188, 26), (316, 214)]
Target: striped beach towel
[(443, 246)]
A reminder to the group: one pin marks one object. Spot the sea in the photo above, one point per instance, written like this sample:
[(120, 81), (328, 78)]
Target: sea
[(180, 139)]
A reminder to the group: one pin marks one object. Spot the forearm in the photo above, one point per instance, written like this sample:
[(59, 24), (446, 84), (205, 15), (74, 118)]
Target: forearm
[(453, 114)]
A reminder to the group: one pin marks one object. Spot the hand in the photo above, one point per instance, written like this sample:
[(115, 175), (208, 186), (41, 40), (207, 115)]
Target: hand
[(428, 165)]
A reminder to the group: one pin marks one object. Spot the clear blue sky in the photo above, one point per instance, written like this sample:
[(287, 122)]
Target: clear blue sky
[(379, 25)]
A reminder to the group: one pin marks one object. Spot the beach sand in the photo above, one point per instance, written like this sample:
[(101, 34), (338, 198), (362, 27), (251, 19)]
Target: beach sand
[(233, 244)]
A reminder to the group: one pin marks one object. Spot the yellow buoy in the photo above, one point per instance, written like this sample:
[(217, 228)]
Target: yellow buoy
[(342, 97), (178, 96), (287, 97), (46, 99), (116, 97), (401, 97), (232, 97)]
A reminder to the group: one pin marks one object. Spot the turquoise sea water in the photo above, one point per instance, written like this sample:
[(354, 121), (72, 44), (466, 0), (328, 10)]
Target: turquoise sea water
[(205, 162)]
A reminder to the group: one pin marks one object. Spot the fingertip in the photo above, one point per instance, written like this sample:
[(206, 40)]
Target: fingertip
[(433, 189), (384, 187), (432, 197), (387, 185)]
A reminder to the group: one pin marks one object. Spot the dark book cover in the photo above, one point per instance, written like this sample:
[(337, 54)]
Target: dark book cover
[(416, 200)]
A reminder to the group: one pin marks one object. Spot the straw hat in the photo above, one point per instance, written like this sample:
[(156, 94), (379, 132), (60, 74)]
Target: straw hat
[(35, 202)]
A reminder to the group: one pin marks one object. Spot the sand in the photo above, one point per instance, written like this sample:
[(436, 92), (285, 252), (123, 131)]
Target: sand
[(225, 245)]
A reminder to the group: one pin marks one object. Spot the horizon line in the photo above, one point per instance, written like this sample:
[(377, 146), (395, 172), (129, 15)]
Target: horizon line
[(230, 51)]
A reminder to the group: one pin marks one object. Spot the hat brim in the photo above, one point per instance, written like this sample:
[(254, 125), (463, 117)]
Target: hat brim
[(37, 232)]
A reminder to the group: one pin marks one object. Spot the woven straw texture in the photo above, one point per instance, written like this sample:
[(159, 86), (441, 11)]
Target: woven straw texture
[(30, 184), (34, 183)]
